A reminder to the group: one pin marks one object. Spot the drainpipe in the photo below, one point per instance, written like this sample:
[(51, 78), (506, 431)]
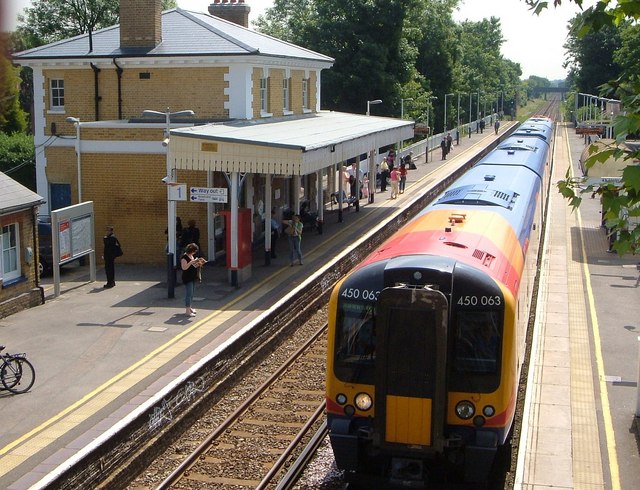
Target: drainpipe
[(96, 91), (119, 70)]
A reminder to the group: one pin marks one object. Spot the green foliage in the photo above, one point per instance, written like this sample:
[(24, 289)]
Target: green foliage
[(12, 118), (610, 29), (17, 158), (591, 54)]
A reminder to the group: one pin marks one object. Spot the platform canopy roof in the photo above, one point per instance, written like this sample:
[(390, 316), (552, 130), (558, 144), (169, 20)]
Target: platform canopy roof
[(284, 146)]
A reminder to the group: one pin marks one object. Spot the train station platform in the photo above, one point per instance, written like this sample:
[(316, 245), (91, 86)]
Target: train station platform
[(101, 353), (580, 429)]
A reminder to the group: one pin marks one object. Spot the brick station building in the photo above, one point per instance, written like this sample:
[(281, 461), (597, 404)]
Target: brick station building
[(94, 143)]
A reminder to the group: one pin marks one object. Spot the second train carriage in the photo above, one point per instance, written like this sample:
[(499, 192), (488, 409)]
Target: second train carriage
[(426, 336)]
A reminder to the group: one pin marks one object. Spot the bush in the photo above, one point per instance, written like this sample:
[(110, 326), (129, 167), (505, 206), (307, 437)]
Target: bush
[(18, 158)]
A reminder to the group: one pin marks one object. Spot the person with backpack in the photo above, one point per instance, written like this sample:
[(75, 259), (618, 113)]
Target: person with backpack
[(293, 230)]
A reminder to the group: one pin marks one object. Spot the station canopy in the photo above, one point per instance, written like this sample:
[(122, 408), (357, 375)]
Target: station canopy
[(284, 146)]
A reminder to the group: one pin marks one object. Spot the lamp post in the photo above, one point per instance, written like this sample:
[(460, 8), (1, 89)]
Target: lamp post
[(171, 204), (429, 106), (372, 102), (444, 129), (402, 106), (76, 123), (478, 111), (470, 102), (401, 144), (458, 119)]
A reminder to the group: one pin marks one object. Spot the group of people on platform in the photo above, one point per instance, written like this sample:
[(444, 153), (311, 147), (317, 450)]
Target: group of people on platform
[(446, 145)]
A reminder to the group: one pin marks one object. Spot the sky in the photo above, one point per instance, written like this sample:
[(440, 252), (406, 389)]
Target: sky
[(543, 58)]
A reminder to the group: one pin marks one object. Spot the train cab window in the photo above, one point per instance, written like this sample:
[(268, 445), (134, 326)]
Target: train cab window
[(355, 342), (477, 344)]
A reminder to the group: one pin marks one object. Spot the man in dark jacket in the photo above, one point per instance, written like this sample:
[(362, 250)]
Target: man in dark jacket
[(112, 250)]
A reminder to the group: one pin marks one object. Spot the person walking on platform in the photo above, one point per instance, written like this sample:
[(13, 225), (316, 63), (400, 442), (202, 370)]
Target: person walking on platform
[(293, 230), (443, 147), (275, 233), (190, 265), (384, 174), (496, 126), (395, 177), (449, 143), (112, 249)]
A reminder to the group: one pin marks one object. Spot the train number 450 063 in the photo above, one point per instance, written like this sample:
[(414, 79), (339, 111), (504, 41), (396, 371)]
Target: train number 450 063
[(472, 300)]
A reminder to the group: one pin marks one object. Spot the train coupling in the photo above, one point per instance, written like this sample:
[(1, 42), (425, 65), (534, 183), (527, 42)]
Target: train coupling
[(407, 473)]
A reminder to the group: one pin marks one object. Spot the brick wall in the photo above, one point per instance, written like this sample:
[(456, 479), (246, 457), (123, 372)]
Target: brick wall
[(24, 293), (204, 94), (140, 23)]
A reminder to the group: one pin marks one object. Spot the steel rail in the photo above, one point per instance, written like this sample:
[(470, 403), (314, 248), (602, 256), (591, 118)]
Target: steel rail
[(192, 458)]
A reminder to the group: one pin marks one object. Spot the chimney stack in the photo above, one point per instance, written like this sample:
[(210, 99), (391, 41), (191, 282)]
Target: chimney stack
[(140, 23), (235, 11)]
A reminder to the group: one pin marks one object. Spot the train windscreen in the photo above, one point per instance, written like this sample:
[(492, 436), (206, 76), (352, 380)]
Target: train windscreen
[(477, 350), (355, 342)]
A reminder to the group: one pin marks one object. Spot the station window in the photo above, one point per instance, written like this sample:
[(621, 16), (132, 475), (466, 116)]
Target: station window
[(286, 97), (264, 95), (305, 93), (56, 92), (9, 242)]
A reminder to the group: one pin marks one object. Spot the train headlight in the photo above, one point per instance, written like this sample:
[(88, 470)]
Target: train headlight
[(341, 399), (363, 401), (465, 409), (488, 411)]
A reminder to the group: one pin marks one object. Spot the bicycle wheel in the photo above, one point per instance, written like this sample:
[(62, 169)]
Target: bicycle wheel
[(17, 374)]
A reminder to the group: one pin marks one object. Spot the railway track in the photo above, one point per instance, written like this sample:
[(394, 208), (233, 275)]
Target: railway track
[(253, 446)]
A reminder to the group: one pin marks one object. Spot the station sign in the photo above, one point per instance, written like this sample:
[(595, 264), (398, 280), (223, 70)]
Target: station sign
[(420, 128), (208, 194), (176, 192), (589, 130)]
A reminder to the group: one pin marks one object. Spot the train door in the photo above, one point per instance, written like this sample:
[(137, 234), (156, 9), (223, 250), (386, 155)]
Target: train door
[(411, 347)]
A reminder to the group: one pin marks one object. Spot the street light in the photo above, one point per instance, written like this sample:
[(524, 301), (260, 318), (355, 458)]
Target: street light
[(478, 112), (171, 204), (470, 101), (372, 102), (444, 130), (458, 118), (76, 123), (402, 106), (429, 106)]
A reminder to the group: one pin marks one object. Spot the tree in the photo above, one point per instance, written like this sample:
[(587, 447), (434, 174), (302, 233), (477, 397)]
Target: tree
[(12, 118), (590, 55), (373, 59), (18, 159), (621, 203)]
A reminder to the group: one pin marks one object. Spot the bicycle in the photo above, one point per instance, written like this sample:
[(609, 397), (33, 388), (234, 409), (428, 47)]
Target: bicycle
[(16, 372)]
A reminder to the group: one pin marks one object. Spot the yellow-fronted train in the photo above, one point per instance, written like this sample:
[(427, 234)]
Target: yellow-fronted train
[(427, 334)]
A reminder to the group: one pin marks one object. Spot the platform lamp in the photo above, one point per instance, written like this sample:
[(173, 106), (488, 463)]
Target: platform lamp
[(444, 128), (429, 107), (372, 102), (76, 123), (171, 204), (458, 118), (402, 116)]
